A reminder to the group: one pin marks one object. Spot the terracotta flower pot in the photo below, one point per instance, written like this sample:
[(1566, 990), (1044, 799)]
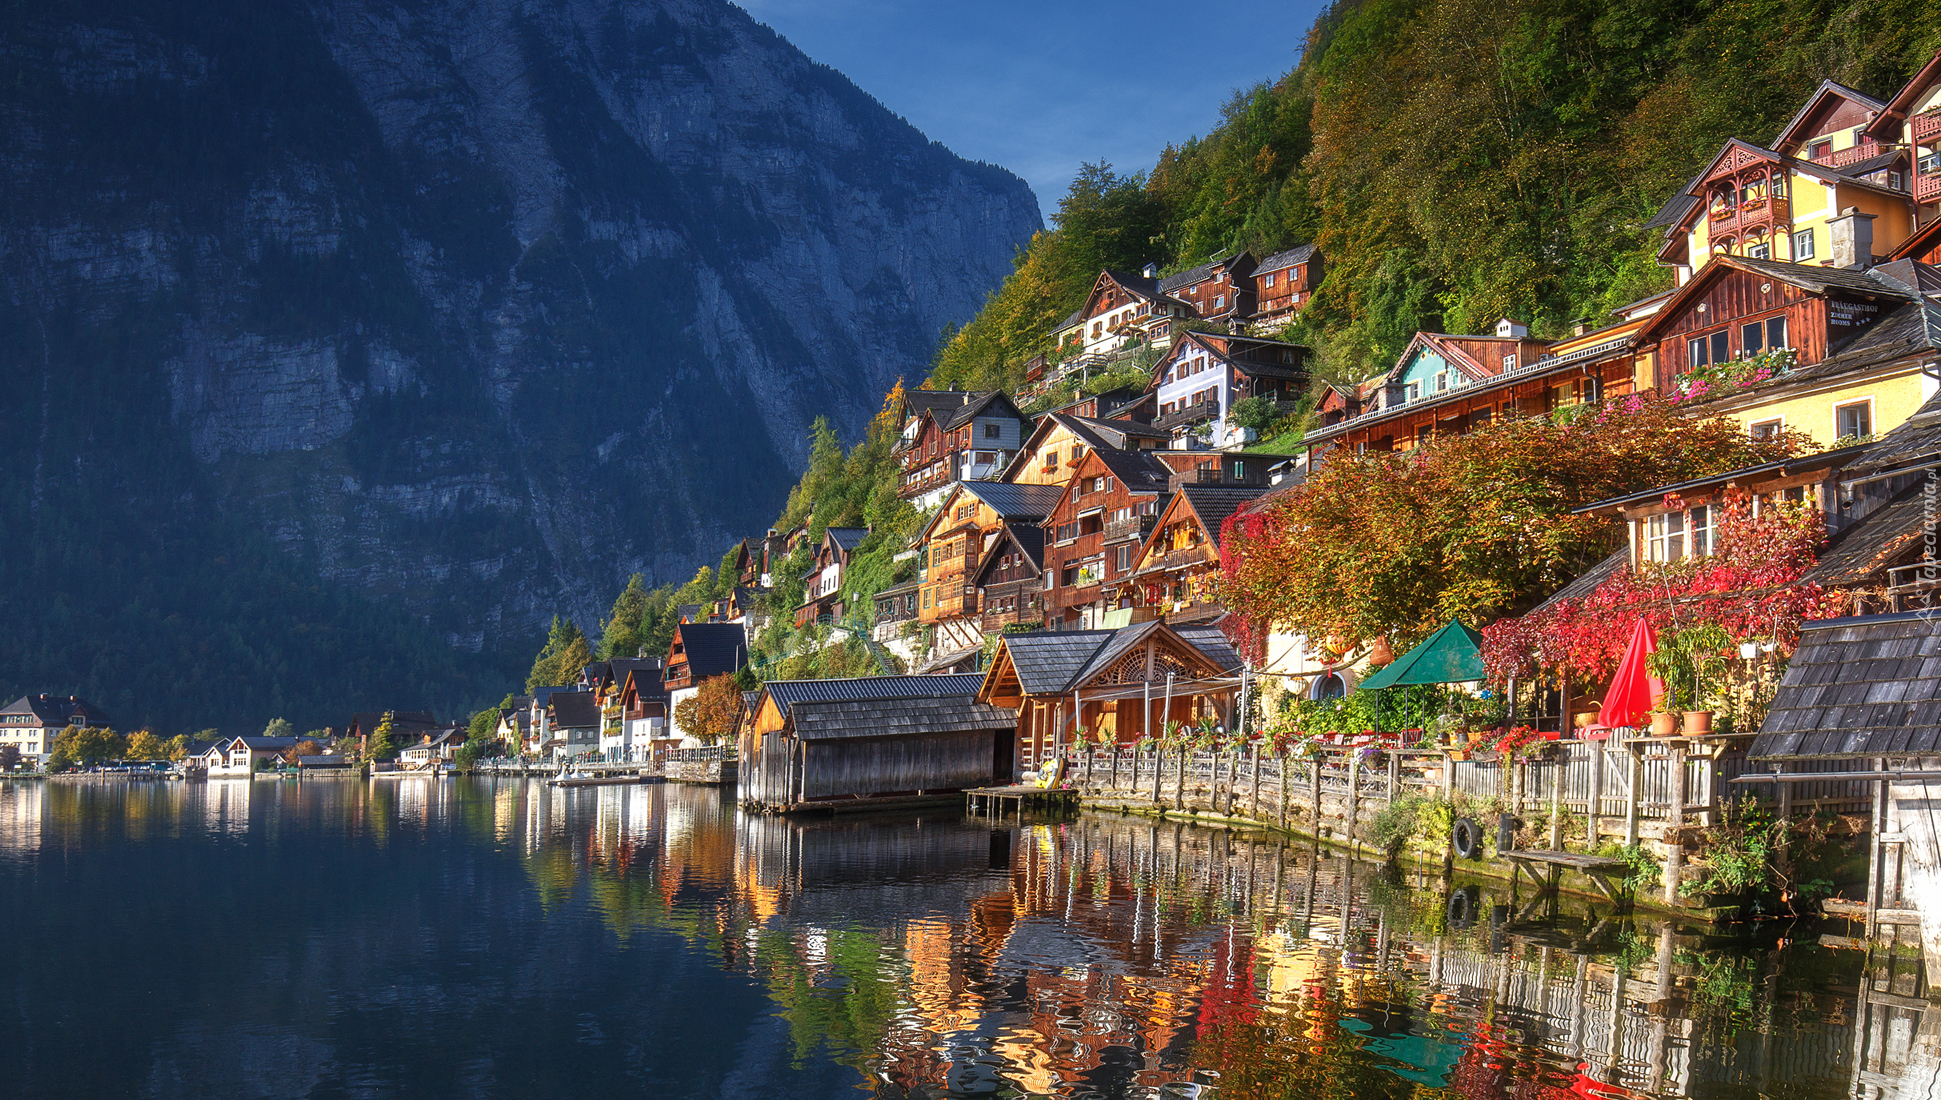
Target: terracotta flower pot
[(1698, 723), (1664, 725)]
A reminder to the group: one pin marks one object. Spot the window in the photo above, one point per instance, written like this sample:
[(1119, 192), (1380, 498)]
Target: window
[(1219, 300), (1664, 537), (1509, 362), (1752, 338), (1776, 332), (1124, 562), (1855, 420), (1698, 524), (1713, 348), (1760, 251), (993, 430), (926, 599), (1803, 245), (1768, 429), (1090, 573), (1269, 281), (1894, 180), (1239, 470), (1414, 392), (1929, 164), (1442, 380), (1818, 149)]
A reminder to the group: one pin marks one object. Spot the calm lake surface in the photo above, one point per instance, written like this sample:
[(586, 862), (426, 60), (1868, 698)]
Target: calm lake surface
[(431, 938)]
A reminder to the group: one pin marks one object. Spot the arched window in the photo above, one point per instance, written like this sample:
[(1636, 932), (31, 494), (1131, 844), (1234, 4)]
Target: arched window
[(1332, 685)]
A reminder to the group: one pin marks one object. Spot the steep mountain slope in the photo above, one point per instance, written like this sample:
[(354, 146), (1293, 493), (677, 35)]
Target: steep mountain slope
[(450, 313)]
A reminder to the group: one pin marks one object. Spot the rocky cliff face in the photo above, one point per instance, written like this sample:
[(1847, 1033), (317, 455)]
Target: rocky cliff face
[(472, 306)]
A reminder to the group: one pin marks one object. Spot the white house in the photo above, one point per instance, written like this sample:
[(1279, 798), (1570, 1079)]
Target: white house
[(242, 756), (31, 722)]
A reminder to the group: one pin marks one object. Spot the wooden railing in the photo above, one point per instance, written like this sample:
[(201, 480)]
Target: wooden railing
[(1852, 155), (1927, 186), (1131, 527), (1927, 124)]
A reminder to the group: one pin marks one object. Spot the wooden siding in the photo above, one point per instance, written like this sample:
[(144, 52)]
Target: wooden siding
[(1092, 544), (787, 773), (1483, 403), (1735, 299)]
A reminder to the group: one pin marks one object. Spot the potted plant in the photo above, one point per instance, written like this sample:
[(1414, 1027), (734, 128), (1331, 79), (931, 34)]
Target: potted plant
[(1682, 657)]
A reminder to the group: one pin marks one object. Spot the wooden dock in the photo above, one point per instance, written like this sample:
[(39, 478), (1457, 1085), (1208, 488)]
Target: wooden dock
[(1546, 870), (1013, 800)]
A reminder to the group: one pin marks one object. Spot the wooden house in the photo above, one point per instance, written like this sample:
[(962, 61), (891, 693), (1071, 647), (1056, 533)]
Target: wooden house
[(1112, 686), (1912, 120), (973, 439), (1448, 385), (1122, 309), (1283, 283), (1202, 375), (697, 652), (870, 742), (1220, 290), (822, 587), (1059, 440), (1093, 536), (1859, 339), (633, 704), (1010, 581), (1116, 404), (432, 747), (953, 544), (244, 756), (1179, 564), (406, 726)]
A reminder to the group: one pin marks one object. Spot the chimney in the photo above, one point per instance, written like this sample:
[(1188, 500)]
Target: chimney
[(1150, 271), (1507, 329), (1581, 326), (1853, 238)]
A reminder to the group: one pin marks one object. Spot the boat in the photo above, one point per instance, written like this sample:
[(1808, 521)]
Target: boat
[(587, 779)]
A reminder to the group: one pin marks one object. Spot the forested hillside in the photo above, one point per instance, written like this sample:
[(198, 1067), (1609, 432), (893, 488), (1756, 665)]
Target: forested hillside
[(1456, 161)]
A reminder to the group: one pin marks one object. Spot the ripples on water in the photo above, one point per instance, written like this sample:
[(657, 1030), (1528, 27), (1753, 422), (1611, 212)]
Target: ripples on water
[(460, 938)]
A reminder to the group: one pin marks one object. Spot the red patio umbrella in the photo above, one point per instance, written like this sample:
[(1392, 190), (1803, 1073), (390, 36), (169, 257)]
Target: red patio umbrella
[(1634, 687)]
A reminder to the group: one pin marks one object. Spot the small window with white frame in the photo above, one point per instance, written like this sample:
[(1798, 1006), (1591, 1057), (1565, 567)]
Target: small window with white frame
[(1803, 245), (1854, 421), (1674, 536), (1768, 429)]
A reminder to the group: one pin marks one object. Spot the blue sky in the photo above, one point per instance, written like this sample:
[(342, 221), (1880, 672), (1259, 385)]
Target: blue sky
[(1041, 87)]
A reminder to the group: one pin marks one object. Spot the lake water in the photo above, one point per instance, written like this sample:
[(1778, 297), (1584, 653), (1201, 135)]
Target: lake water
[(432, 938)]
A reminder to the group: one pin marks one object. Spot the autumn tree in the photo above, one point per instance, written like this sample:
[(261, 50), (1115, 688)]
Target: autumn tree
[(1468, 527), (144, 745), (710, 714), (305, 747), (177, 748), (563, 657), (381, 742), (9, 756), (86, 746), (279, 727)]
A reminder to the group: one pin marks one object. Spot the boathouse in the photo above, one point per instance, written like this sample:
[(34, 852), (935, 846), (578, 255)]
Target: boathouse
[(871, 741), (1119, 685)]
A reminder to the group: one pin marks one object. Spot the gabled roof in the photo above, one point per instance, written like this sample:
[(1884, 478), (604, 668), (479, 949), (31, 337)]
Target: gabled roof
[(1827, 88), (56, 710), (643, 675), (1214, 503), (1897, 107), (988, 403), (1858, 687), (937, 402), (1203, 272), (872, 718), (1231, 350), (1812, 279), (1213, 642), (788, 693), (710, 649), (846, 538), (1097, 435), (1046, 661), (1282, 260), (1013, 501), (1877, 542), (1024, 538), (574, 709), (264, 744)]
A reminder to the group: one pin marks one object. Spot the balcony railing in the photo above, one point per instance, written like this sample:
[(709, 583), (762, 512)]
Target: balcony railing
[(1191, 414), (1927, 187), (1193, 557), (1131, 527), (1927, 124), (1749, 216), (1839, 158)]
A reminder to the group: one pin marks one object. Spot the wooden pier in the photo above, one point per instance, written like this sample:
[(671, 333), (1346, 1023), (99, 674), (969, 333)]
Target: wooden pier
[(1546, 870), (993, 801)]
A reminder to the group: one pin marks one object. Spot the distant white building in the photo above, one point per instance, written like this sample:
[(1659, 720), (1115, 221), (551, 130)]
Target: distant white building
[(243, 756), (31, 722)]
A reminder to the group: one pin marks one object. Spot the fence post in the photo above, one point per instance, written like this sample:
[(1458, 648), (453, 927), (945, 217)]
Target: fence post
[(1179, 785), (1354, 795), (1254, 805), (1449, 797), (1158, 769), (1594, 803), (1280, 769), (1314, 778), (1675, 820), (1556, 804), (1631, 795), (1394, 774)]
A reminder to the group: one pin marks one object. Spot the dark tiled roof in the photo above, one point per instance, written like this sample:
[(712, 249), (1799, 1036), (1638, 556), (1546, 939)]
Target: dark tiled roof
[(1911, 444), (1046, 660), (1030, 541), (1822, 279), (1675, 208), (1122, 641), (1190, 276), (1908, 330), (1289, 258), (574, 709), (1875, 543), (875, 718), (848, 538), (787, 693), (966, 657), (1858, 687), (402, 721), (1137, 470), (645, 672), (936, 402), (1138, 284), (1015, 501), (981, 405), (1873, 105), (268, 744), (1860, 168), (900, 589), (712, 648), (1214, 503), (57, 710), (1213, 642), (1124, 429)]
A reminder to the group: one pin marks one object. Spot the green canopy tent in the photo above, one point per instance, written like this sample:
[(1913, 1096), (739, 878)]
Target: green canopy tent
[(1449, 656)]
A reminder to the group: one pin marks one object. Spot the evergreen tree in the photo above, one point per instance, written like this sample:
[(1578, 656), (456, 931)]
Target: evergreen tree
[(622, 637), (563, 657), (380, 744)]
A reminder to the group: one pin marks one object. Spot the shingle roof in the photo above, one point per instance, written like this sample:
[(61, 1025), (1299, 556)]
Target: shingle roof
[(1587, 582), (1188, 277), (1915, 441), (712, 648), (898, 718), (788, 693), (1137, 470), (848, 538), (574, 709), (1124, 429), (1122, 641), (1214, 503), (1874, 543), (56, 710), (1289, 258), (1045, 661), (1213, 642), (980, 405), (1813, 100), (1015, 501), (645, 672), (1909, 330), (1821, 279), (1858, 687), (936, 402), (268, 744)]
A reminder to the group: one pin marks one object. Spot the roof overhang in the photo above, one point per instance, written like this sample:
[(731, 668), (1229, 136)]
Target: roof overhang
[(1782, 468)]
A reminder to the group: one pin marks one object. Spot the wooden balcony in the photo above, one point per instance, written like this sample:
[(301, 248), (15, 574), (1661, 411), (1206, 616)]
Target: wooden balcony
[(1840, 158), (1131, 527), (1926, 125), (1750, 217), (1927, 187), (1191, 414), (1193, 557)]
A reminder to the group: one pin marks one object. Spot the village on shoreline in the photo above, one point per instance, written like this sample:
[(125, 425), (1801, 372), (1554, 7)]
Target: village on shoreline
[(1642, 611)]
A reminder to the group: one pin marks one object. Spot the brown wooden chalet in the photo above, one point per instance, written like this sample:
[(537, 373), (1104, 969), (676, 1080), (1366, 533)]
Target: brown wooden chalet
[(1119, 404), (1283, 283), (1448, 385), (822, 586), (1094, 533), (1010, 580), (1111, 686), (1912, 118), (1179, 564), (1122, 309), (952, 545), (640, 693), (1220, 290), (701, 650), (1061, 440), (973, 440), (1203, 374)]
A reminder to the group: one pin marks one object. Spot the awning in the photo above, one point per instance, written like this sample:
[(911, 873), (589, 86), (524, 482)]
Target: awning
[(1451, 655)]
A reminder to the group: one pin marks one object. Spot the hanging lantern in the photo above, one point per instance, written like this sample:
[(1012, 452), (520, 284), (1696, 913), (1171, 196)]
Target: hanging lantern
[(1381, 653)]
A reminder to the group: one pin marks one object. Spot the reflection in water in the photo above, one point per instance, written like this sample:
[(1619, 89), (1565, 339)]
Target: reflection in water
[(506, 938)]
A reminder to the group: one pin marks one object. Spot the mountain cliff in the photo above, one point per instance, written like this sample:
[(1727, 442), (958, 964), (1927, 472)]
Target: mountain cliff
[(334, 334)]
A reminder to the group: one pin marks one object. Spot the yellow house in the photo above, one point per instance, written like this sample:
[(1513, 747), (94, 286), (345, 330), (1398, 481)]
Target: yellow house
[(1061, 440)]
